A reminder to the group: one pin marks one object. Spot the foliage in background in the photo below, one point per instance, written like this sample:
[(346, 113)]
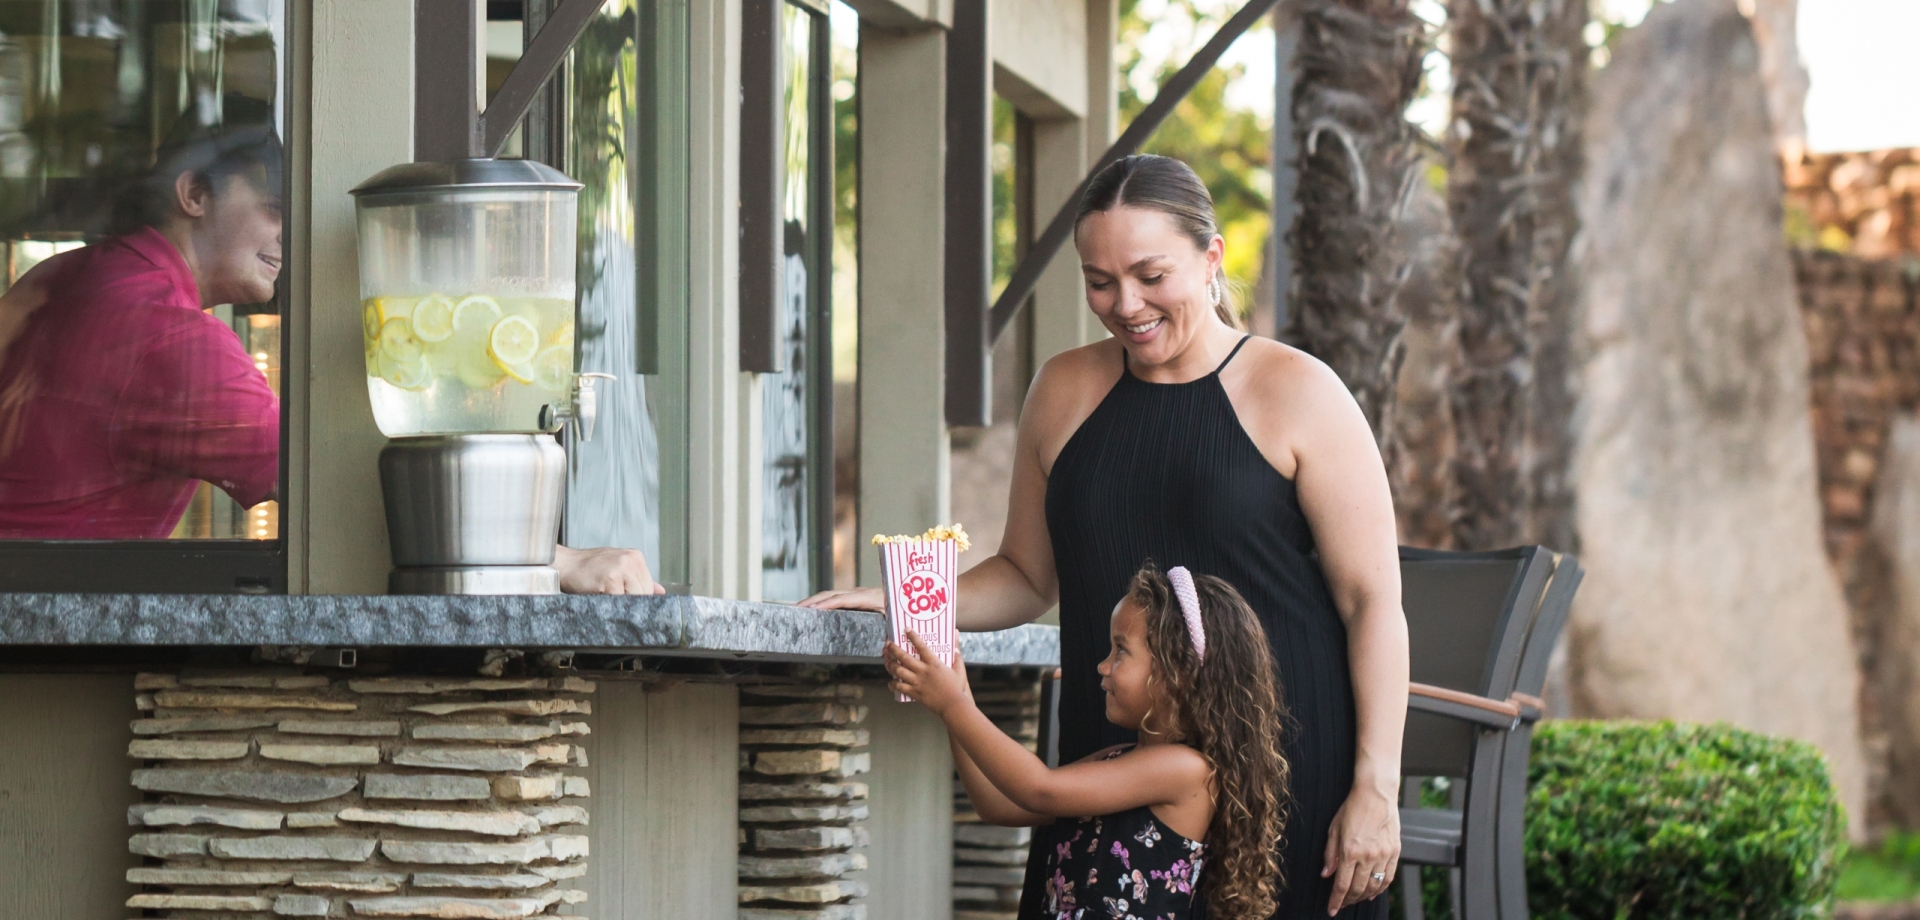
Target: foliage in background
[(604, 79), (1658, 820), (845, 25), (1889, 872), (1006, 224), (1230, 148)]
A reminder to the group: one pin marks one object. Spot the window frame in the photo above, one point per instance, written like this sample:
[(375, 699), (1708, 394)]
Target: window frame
[(168, 566)]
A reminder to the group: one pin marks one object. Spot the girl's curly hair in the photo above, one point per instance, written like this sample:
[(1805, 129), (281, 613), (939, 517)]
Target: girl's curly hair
[(1228, 708)]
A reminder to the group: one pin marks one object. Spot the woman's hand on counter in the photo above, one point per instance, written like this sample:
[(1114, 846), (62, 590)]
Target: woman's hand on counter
[(851, 599), (605, 570)]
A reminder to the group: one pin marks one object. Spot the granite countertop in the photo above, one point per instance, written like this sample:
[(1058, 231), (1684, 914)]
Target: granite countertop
[(663, 625)]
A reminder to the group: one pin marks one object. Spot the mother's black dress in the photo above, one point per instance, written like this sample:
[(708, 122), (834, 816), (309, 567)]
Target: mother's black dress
[(1165, 472)]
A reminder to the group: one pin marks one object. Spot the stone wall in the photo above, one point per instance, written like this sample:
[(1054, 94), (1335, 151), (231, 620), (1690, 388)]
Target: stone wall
[(802, 815), (306, 795), (1866, 204), (1863, 347)]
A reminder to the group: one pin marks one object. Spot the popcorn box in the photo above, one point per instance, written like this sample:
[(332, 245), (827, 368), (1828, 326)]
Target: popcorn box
[(921, 578)]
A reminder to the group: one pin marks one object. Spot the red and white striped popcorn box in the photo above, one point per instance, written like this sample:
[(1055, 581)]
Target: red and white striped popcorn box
[(921, 578)]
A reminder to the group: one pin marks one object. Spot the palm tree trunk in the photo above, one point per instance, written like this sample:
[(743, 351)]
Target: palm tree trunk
[(1359, 67), (1519, 68)]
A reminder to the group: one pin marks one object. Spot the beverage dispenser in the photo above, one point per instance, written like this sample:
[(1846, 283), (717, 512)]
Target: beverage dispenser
[(467, 310)]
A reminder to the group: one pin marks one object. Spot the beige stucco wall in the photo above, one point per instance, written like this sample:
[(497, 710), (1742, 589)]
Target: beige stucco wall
[(664, 803), (356, 114), (64, 792), (904, 484), (910, 794), (1040, 55)]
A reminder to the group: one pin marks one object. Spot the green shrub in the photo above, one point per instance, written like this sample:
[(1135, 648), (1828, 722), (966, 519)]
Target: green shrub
[(1657, 820)]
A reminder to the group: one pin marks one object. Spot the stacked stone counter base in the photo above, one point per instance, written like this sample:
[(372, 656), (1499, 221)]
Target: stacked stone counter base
[(989, 862), (308, 796), (801, 814)]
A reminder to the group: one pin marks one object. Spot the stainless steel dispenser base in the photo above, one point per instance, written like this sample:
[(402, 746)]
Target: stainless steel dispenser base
[(473, 514), (475, 579)]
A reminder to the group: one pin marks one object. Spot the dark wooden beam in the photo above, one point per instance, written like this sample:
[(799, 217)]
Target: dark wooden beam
[(762, 139), (969, 226), (564, 23), (446, 80)]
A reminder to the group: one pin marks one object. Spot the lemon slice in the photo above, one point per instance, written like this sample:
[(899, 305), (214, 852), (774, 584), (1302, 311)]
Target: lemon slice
[(553, 368), (433, 319), (513, 342), (562, 335), (405, 374), (397, 341), (475, 316), (370, 319)]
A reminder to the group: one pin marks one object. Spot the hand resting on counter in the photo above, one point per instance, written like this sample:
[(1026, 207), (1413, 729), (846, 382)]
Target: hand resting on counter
[(604, 570), (850, 599)]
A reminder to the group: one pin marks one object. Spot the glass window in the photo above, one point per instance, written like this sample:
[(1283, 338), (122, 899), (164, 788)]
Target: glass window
[(845, 24), (797, 403), (140, 250), (624, 137)]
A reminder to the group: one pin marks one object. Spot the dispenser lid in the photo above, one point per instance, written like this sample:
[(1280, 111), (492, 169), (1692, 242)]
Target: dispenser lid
[(466, 174)]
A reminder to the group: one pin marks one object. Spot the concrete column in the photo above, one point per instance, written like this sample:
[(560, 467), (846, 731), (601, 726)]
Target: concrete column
[(64, 795), (1103, 77), (361, 52), (910, 793), (722, 458), (904, 481), (1060, 317), (664, 802)]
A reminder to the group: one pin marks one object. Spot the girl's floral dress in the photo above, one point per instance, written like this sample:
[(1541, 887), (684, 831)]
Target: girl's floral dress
[(1123, 866)]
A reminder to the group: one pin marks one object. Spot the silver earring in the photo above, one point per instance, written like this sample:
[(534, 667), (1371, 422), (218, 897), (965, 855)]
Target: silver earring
[(1214, 292)]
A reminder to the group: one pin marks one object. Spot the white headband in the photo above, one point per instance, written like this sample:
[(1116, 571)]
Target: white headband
[(1189, 607)]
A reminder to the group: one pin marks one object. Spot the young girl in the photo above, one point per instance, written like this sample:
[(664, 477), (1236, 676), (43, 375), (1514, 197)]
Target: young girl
[(1191, 672)]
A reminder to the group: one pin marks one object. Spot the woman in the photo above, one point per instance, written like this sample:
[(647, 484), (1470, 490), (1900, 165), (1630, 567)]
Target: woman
[(119, 392), (1184, 441)]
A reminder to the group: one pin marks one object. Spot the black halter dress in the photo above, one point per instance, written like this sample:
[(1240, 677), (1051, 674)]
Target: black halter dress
[(1165, 472)]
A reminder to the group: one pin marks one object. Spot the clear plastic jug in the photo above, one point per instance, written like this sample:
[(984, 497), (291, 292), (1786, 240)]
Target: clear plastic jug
[(467, 295)]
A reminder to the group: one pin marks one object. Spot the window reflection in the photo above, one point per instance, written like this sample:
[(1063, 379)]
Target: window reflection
[(140, 215), (622, 143), (792, 562), (844, 350)]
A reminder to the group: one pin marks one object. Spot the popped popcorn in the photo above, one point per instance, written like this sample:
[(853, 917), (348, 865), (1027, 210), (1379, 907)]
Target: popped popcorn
[(954, 532)]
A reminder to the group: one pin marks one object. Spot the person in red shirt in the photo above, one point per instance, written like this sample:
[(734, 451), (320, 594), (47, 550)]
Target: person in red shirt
[(118, 392)]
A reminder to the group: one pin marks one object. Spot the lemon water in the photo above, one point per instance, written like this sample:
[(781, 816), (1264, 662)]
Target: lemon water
[(458, 363)]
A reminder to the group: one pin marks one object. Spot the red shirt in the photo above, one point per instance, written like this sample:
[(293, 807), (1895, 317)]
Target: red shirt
[(133, 394)]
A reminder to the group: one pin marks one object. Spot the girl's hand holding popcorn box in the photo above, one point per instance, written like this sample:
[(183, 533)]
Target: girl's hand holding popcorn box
[(922, 575)]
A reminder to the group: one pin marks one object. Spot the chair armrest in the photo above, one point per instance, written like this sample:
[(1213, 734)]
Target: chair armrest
[(1466, 707)]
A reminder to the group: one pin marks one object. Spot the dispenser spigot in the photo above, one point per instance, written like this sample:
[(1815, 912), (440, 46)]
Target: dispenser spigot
[(584, 410)]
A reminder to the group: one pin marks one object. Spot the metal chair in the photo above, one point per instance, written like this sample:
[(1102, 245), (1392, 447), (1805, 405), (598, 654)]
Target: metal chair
[(1510, 867), (1469, 616)]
